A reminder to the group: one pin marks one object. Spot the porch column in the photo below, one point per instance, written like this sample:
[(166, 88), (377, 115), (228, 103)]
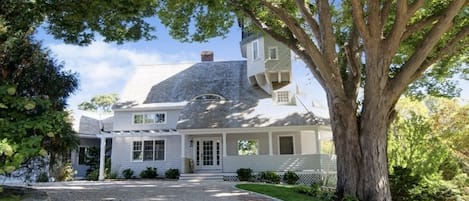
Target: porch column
[(102, 150), (224, 144), (317, 136), (183, 153), (270, 144)]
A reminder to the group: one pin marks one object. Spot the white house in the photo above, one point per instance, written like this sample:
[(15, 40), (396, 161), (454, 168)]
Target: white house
[(214, 117)]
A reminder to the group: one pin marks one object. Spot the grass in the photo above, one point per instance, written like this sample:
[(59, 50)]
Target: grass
[(10, 198), (286, 193)]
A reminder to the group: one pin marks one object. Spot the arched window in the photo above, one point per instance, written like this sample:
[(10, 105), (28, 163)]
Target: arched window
[(204, 97)]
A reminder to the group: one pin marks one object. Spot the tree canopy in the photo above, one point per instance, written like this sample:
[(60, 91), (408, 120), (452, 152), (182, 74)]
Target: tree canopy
[(99, 103), (376, 47)]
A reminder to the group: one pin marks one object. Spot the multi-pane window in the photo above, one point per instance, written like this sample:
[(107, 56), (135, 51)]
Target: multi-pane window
[(137, 151), (255, 50), (282, 97), (148, 150), (150, 118), (273, 53), (82, 154), (286, 144)]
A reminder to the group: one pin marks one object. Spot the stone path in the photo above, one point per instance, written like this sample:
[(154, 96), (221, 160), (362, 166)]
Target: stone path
[(140, 190)]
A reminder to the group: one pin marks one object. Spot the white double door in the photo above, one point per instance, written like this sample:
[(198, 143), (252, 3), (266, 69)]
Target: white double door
[(207, 153)]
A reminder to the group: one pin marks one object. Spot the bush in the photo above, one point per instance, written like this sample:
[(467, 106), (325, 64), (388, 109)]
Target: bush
[(112, 175), (244, 174), (172, 173), (149, 173), (303, 189), (315, 191), (290, 177), (128, 173), (66, 172), (93, 175), (270, 177), (42, 177)]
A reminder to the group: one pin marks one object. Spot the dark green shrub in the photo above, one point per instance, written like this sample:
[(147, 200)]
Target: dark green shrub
[(315, 189), (93, 175), (149, 173), (290, 177), (303, 189), (42, 177), (128, 173), (270, 177), (172, 173), (112, 175), (244, 174)]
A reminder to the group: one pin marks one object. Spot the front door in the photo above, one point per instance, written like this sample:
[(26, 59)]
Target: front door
[(207, 153)]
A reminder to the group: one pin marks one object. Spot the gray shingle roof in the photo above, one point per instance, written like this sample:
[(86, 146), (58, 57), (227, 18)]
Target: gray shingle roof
[(245, 105)]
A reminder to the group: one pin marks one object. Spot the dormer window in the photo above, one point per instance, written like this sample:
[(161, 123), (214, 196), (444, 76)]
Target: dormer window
[(255, 50), (205, 97), (273, 54), (283, 97)]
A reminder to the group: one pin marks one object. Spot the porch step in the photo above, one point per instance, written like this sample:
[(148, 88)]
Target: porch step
[(196, 177)]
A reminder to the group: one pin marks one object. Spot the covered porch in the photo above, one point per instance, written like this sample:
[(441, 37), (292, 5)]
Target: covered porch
[(280, 149)]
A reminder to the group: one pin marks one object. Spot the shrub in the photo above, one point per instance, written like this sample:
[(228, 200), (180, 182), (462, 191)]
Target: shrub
[(172, 173), (66, 172), (42, 177), (149, 173), (290, 177), (303, 189), (244, 174), (128, 173), (93, 175), (270, 177), (112, 175)]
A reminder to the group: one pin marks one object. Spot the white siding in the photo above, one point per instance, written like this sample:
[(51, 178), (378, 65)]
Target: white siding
[(123, 120), (255, 66), (308, 142), (122, 155), (296, 141)]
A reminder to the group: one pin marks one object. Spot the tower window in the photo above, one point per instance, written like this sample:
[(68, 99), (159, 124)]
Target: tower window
[(283, 97), (273, 54), (255, 50)]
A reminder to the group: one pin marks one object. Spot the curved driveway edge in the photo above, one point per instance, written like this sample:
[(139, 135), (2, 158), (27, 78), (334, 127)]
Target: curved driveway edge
[(152, 190)]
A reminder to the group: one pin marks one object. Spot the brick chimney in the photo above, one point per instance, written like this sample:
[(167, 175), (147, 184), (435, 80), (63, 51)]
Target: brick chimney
[(206, 56)]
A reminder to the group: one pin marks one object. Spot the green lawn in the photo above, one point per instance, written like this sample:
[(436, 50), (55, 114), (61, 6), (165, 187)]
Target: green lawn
[(286, 193), (10, 198)]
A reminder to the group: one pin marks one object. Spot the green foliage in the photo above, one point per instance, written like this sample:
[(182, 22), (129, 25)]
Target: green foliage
[(269, 177), (42, 177), (315, 191), (92, 159), (149, 173), (290, 177), (244, 174), (112, 175), (65, 172), (286, 193), (172, 173), (128, 173), (99, 103), (93, 175)]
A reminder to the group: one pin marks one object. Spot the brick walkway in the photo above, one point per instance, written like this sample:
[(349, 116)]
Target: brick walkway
[(140, 190)]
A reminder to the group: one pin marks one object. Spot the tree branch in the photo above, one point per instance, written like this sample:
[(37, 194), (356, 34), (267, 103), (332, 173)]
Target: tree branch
[(327, 34), (308, 15), (453, 46), (352, 51), (413, 67), (385, 13), (374, 20), (358, 18), (329, 73), (418, 26)]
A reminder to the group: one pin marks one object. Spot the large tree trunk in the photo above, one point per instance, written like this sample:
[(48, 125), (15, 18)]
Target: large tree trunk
[(360, 144)]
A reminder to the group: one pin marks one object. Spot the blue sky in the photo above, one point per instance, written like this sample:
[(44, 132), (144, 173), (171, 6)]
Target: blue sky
[(104, 67)]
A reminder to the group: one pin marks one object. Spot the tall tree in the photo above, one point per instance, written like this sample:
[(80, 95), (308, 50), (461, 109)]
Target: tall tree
[(99, 103), (378, 46)]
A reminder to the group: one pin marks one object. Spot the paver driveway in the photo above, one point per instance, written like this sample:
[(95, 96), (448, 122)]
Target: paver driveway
[(146, 190)]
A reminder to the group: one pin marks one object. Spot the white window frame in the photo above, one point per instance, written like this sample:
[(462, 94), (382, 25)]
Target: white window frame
[(279, 93), (278, 144), (151, 114), (276, 53), (258, 148), (143, 148), (255, 54)]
